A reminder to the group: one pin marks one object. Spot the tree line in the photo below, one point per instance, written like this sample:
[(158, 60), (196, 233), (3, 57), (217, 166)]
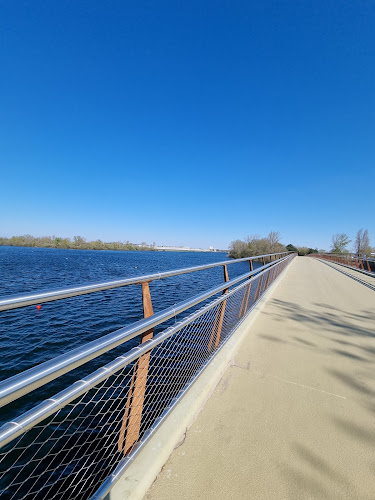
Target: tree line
[(256, 245), (77, 243), (361, 244)]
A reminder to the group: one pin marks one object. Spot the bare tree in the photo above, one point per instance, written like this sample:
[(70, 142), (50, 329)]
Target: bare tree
[(274, 238), (339, 242), (362, 242), (238, 249), (250, 238)]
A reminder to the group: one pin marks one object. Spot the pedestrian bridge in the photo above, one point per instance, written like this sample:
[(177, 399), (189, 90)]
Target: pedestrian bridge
[(265, 391), (293, 415)]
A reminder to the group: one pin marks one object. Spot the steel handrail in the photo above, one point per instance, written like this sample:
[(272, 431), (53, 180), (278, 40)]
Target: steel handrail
[(343, 264), (21, 424), (353, 255), (23, 300), (10, 430), (37, 376)]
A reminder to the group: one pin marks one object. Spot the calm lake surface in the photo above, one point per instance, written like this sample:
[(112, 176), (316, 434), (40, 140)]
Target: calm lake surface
[(29, 337)]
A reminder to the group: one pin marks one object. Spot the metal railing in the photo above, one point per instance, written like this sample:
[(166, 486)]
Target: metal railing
[(76, 443), (23, 300), (358, 262)]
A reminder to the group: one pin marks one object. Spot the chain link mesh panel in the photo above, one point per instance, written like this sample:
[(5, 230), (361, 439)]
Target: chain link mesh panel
[(69, 454)]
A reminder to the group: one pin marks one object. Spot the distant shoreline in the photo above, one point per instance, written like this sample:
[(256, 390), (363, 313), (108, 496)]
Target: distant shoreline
[(53, 243)]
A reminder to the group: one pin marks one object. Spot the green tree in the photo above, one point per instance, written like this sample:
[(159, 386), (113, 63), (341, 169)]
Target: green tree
[(254, 245), (339, 243), (291, 248), (302, 251)]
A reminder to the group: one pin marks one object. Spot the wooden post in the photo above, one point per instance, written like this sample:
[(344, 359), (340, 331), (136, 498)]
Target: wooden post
[(257, 291), (131, 423), (216, 331), (273, 271), (246, 296), (368, 266), (360, 260), (267, 279)]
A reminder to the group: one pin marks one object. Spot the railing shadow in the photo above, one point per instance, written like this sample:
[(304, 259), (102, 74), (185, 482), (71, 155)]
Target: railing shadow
[(348, 340)]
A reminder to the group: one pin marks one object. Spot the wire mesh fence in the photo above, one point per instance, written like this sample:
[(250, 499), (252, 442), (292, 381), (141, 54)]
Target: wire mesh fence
[(69, 454), (358, 262)]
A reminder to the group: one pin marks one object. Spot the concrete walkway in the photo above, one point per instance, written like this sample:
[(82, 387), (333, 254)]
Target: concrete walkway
[(294, 417)]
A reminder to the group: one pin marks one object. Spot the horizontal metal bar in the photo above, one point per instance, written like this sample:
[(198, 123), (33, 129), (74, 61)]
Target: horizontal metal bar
[(23, 300), (112, 479), (29, 380), (11, 430), (346, 255), (356, 269)]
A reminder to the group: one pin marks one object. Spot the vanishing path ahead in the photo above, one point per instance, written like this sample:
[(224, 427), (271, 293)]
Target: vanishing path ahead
[(294, 417)]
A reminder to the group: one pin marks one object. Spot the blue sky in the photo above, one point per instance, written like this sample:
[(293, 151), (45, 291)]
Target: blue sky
[(190, 122)]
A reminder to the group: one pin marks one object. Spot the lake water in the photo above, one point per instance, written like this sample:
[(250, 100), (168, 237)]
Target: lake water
[(29, 337)]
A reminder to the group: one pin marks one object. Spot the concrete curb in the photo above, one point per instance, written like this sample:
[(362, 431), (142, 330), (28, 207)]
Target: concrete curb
[(142, 472)]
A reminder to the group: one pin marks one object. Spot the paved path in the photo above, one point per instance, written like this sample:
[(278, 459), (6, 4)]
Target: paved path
[(294, 417), (364, 277)]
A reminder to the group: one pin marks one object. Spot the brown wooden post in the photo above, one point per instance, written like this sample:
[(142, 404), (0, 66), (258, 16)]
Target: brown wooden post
[(368, 266), (273, 273), (216, 331), (264, 261), (131, 423), (246, 296), (257, 291), (267, 279), (360, 260)]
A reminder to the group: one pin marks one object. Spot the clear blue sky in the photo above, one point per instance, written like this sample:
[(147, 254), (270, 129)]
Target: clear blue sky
[(191, 122)]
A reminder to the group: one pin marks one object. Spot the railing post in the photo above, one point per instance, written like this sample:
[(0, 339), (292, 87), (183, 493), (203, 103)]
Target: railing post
[(368, 266), (216, 330), (246, 296), (131, 423), (267, 278), (257, 291)]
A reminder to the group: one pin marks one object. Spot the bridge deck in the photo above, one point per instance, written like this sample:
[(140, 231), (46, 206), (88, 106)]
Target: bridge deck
[(293, 418)]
